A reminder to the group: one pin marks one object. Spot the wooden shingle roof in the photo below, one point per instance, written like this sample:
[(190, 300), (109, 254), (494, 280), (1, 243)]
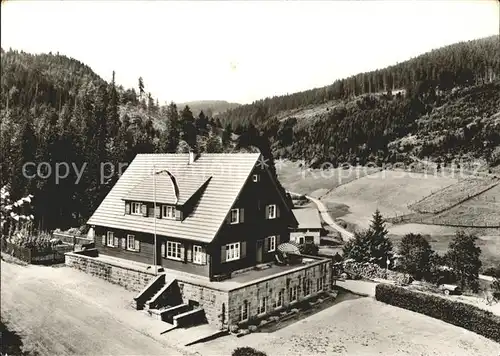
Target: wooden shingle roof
[(228, 172)]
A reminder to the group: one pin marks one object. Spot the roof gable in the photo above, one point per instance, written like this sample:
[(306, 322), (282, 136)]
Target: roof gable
[(227, 172)]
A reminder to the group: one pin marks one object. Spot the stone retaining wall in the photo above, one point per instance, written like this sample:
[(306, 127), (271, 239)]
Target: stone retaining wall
[(130, 279), (213, 301), (270, 288)]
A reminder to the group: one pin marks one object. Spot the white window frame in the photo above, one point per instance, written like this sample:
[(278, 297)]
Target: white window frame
[(271, 243), (244, 311), (319, 284), (308, 287), (233, 251), (280, 299), (167, 212), (262, 308), (237, 216), (112, 244), (131, 237), (293, 290), (255, 178), (134, 205), (273, 215), (172, 250), (197, 254)]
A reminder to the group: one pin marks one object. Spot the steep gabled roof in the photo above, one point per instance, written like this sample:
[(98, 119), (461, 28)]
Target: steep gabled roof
[(167, 184), (308, 218), (228, 172)]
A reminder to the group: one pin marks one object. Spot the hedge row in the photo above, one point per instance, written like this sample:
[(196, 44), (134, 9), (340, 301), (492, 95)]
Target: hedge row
[(460, 314)]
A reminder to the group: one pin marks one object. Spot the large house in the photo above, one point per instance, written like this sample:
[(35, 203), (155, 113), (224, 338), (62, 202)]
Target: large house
[(212, 215), (211, 226)]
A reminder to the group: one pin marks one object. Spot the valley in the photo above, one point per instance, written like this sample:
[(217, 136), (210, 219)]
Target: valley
[(352, 196)]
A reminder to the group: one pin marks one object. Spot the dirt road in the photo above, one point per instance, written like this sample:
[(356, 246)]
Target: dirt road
[(60, 311), (346, 235)]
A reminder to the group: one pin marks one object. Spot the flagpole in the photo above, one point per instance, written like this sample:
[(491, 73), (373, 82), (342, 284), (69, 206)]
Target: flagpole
[(154, 199)]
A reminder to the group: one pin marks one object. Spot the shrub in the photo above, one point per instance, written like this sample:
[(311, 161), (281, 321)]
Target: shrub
[(252, 328), (495, 286), (492, 272), (234, 328), (309, 249), (247, 351), (463, 315)]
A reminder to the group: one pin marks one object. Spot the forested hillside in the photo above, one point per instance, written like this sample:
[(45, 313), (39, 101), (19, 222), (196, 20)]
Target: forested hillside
[(443, 104), (55, 109)]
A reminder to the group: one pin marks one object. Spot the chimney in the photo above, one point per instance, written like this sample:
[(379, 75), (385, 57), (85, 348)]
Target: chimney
[(192, 156)]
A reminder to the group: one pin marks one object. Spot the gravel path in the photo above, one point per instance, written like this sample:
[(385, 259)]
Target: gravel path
[(61, 311)]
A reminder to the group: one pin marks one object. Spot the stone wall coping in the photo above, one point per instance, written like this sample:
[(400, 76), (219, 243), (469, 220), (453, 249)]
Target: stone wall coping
[(111, 263), (184, 278), (284, 273)]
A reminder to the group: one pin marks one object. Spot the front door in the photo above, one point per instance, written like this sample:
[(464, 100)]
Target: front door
[(258, 254)]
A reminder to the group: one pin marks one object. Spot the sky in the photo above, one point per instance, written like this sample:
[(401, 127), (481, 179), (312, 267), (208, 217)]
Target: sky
[(240, 51)]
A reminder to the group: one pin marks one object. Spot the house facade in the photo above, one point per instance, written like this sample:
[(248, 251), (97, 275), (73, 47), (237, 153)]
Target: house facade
[(217, 220), (309, 226), (213, 215)]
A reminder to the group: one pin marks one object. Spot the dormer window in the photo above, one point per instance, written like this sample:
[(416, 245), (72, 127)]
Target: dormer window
[(168, 211), (136, 208)]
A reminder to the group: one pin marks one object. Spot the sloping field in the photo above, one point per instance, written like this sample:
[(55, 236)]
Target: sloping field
[(317, 182), (389, 191), (361, 326), (453, 195), (482, 210)]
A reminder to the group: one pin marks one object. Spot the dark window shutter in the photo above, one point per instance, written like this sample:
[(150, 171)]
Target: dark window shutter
[(203, 255), (223, 253), (104, 240), (163, 249), (158, 212), (267, 211), (243, 251), (127, 208), (242, 215), (277, 211), (189, 253), (178, 214), (228, 217), (137, 245), (144, 210), (116, 241), (124, 243), (183, 253), (277, 240), (266, 244)]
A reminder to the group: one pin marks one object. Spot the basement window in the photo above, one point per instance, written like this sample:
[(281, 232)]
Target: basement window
[(244, 309), (262, 305), (292, 294)]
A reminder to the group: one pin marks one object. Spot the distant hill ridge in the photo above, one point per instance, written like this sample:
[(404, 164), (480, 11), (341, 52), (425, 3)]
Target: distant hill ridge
[(209, 107)]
